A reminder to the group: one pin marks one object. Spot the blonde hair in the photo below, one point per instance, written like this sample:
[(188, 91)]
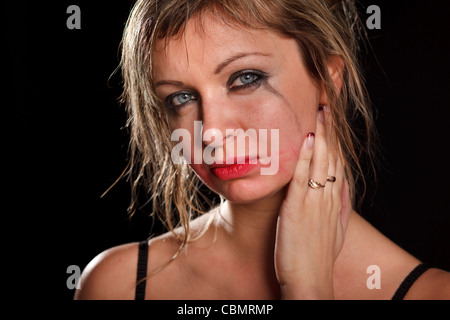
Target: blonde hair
[(322, 29)]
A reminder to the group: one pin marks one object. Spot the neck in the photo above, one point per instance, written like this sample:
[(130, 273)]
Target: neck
[(250, 228), (249, 233)]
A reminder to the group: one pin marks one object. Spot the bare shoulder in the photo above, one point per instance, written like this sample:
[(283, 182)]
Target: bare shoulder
[(368, 255), (111, 275), (397, 264), (434, 284)]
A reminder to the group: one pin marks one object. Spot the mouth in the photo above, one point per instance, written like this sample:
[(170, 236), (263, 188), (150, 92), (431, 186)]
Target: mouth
[(237, 168)]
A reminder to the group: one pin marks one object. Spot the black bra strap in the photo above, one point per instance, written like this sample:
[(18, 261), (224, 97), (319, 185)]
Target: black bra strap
[(141, 270), (409, 280)]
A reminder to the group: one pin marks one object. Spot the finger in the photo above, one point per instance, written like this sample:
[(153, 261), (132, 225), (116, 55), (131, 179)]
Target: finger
[(320, 162), (299, 183), (340, 173), (346, 210), (343, 193), (332, 153), (337, 190)]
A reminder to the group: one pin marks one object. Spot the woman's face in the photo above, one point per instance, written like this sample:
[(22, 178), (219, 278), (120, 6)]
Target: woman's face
[(230, 78)]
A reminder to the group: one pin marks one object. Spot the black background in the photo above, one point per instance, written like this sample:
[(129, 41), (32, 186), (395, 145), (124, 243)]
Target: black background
[(69, 145)]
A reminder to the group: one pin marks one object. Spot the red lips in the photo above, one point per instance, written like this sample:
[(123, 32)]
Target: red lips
[(232, 171)]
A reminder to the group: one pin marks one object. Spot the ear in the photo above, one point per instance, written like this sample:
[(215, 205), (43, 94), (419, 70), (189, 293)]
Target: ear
[(336, 70)]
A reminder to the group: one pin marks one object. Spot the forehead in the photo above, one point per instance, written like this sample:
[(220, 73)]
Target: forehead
[(207, 41)]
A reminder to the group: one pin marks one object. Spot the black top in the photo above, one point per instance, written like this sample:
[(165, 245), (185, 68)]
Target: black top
[(142, 274)]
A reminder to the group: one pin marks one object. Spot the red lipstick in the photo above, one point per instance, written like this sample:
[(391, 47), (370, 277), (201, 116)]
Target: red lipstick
[(232, 171)]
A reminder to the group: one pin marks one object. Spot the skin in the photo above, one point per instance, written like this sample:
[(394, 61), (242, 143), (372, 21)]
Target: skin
[(274, 237)]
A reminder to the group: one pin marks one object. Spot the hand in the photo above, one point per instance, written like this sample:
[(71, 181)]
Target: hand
[(312, 223)]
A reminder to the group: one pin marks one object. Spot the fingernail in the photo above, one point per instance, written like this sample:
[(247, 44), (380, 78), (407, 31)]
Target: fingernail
[(310, 139)]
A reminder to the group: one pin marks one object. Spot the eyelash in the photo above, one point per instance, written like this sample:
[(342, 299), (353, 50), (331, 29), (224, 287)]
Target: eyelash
[(260, 77)]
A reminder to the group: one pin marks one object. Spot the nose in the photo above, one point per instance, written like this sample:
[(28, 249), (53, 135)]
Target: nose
[(214, 138), (216, 118)]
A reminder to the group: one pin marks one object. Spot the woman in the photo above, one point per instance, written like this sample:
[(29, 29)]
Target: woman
[(283, 74)]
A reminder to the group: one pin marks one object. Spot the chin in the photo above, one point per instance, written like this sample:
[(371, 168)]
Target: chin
[(250, 189)]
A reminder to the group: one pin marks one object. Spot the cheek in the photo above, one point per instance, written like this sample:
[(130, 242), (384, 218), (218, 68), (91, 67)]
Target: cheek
[(202, 172), (295, 118), (288, 159), (292, 114), (292, 123)]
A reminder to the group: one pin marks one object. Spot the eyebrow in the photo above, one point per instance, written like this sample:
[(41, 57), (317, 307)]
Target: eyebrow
[(171, 82), (236, 57), (219, 68)]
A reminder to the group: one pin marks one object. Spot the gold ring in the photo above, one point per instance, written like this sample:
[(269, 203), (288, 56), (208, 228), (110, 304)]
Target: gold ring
[(331, 179), (315, 185)]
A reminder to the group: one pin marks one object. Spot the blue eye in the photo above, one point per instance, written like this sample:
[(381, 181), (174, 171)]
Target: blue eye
[(246, 79), (179, 99)]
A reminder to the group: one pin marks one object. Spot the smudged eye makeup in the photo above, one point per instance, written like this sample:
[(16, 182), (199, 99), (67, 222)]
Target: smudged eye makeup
[(241, 80), (245, 79)]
